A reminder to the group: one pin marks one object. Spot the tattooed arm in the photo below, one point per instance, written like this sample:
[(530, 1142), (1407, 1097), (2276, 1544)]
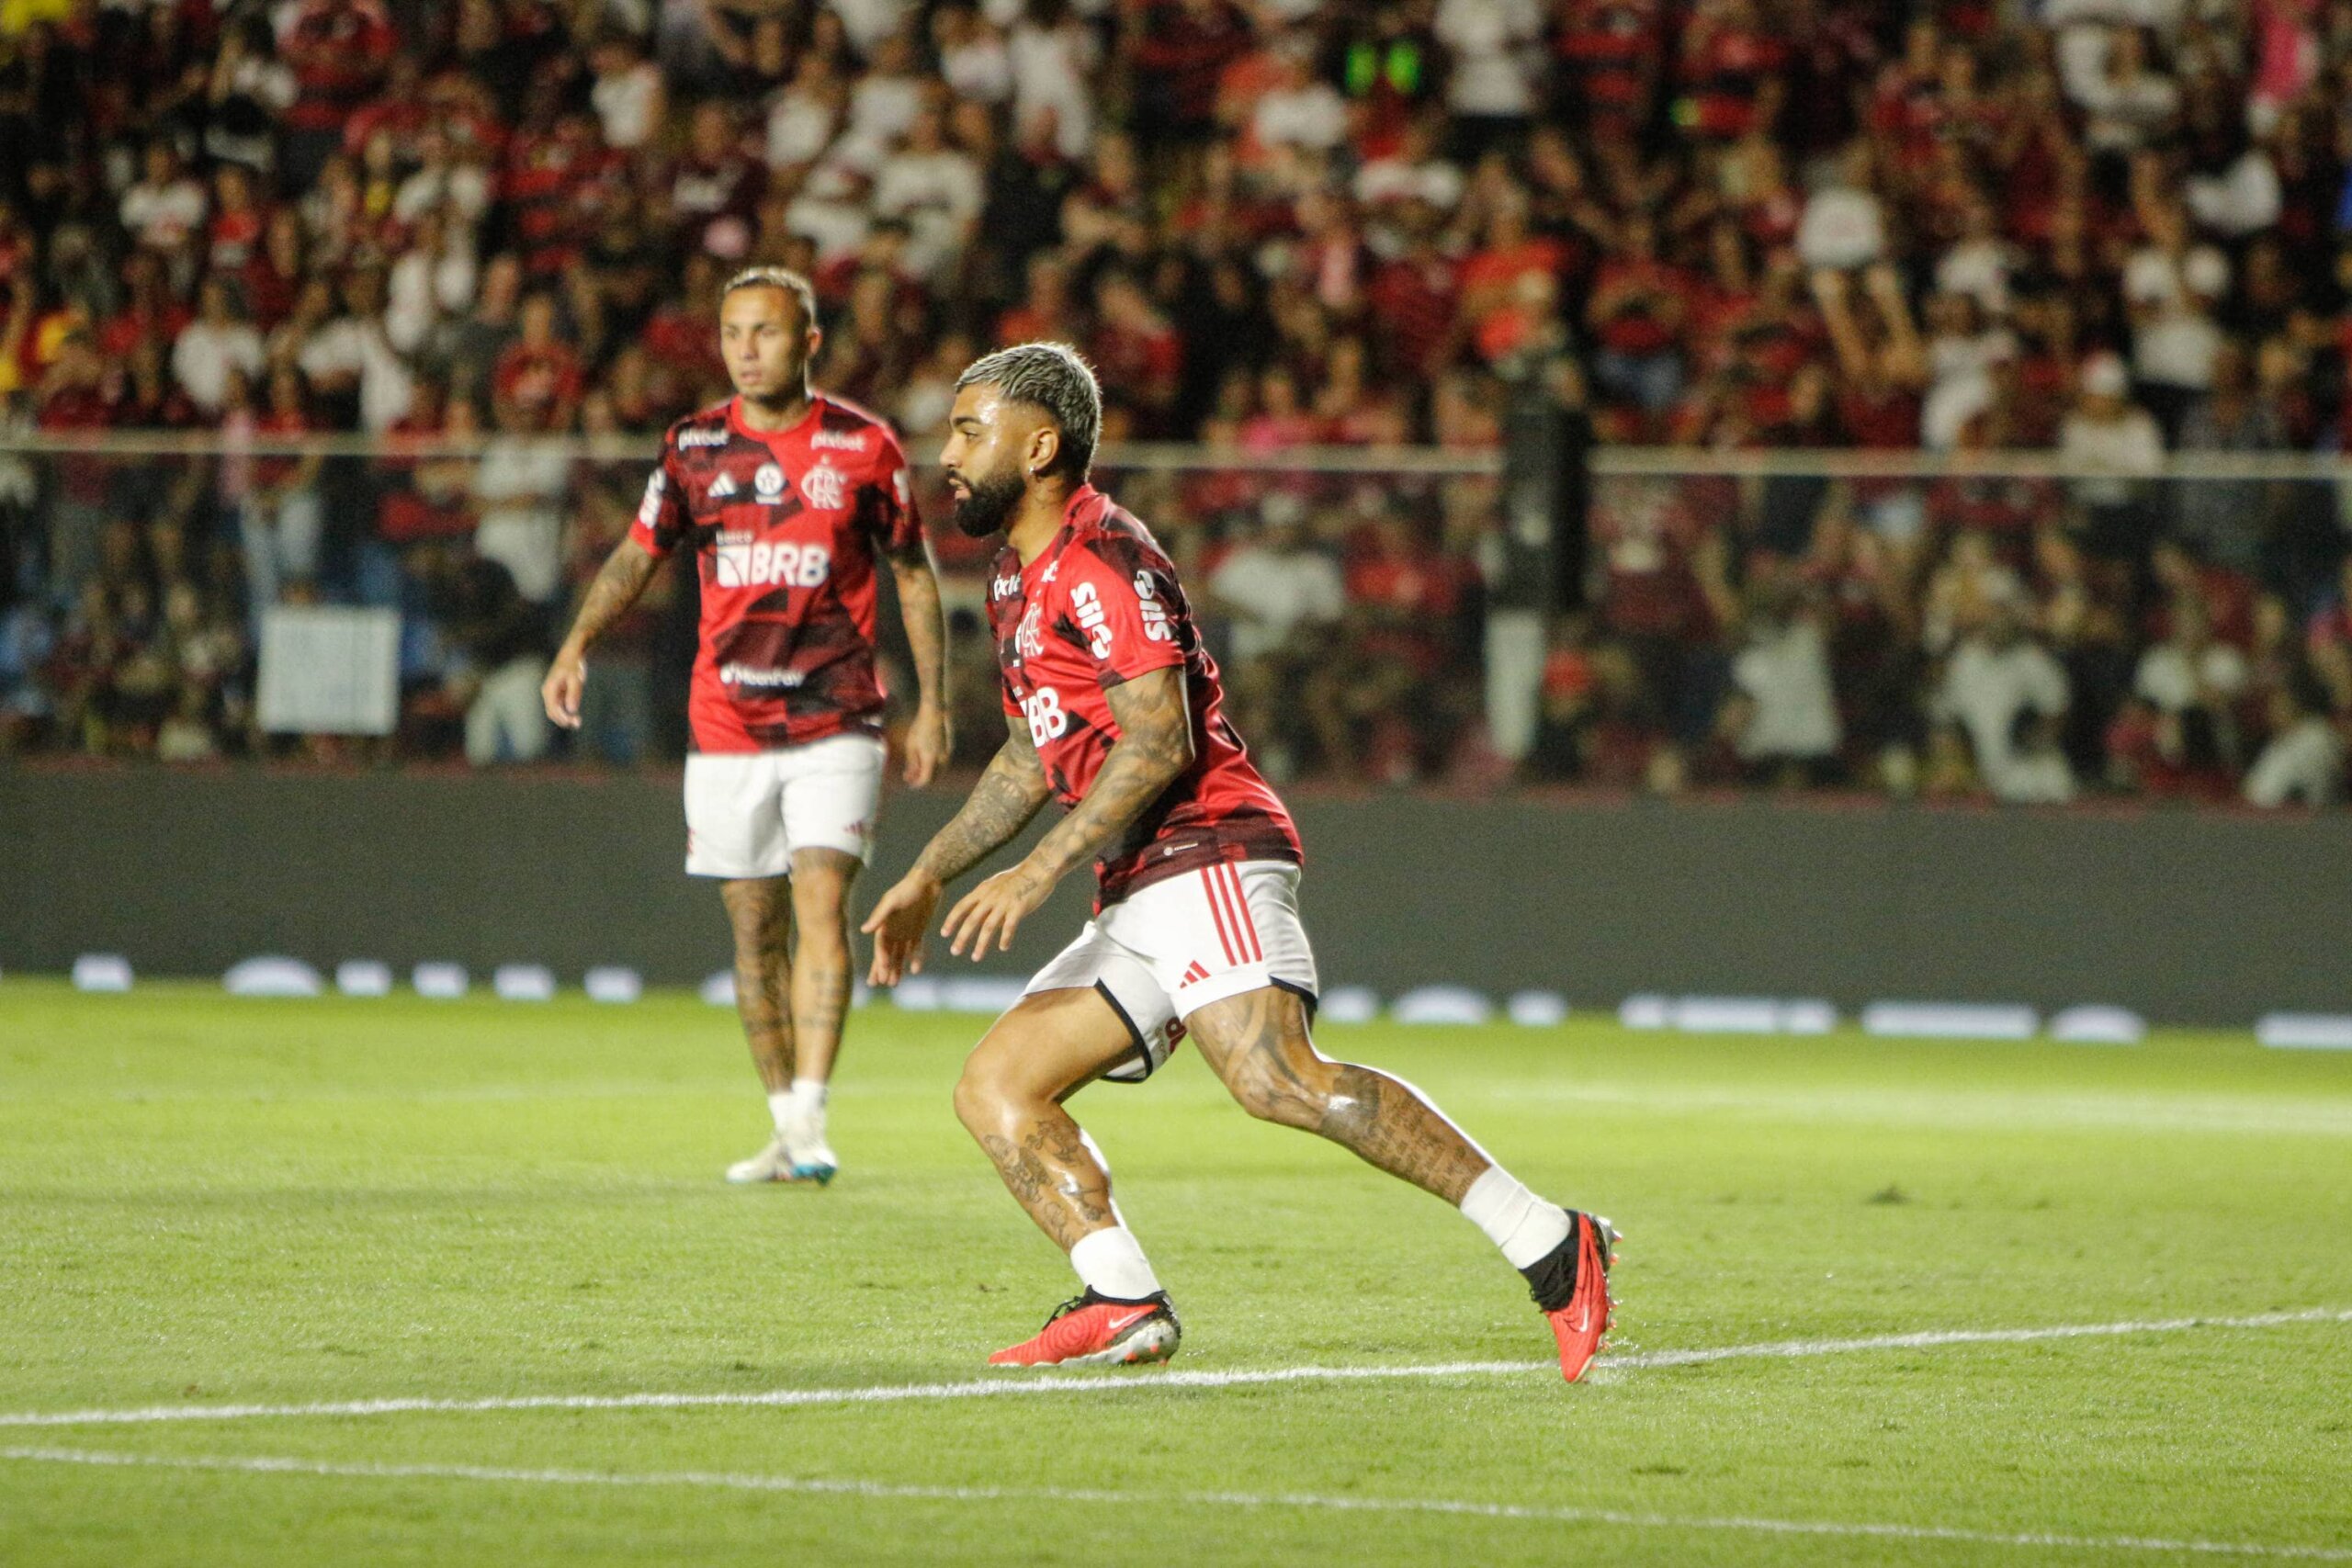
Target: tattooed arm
[(1010, 793), (1154, 748), (930, 738), (619, 582)]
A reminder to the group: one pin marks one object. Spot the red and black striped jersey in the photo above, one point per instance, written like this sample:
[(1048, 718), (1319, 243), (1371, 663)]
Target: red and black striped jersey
[(1100, 607), (785, 526)]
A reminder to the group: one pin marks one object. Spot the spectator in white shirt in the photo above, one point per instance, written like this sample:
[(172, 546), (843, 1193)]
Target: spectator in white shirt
[(805, 113), (1281, 599), (2129, 102), (1413, 172), (458, 186), (165, 211), (2171, 288), (2192, 683), (1299, 110), (1980, 263), (629, 94), (2009, 696), (2303, 763), (1275, 587), (1053, 59), (433, 278), (2235, 198), (973, 60), (936, 190), (1785, 715), (885, 101), (869, 23), (1843, 227), (217, 341), (519, 490), (351, 352), (2119, 444), (1490, 90)]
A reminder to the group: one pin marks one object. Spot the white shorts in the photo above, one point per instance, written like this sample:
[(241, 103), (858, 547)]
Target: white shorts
[(1169, 949), (747, 812)]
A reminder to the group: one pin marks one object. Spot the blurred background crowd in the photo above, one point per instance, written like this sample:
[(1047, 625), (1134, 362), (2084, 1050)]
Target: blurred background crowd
[(2109, 230)]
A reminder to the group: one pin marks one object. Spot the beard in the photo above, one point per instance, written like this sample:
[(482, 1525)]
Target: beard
[(988, 505)]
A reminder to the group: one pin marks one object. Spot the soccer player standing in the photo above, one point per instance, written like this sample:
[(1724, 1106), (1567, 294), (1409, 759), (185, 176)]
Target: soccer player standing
[(1114, 708), (785, 497)]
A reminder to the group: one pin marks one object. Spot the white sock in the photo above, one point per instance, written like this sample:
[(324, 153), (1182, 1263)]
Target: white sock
[(1111, 1263), (806, 1103), (1524, 1225), (780, 1107)]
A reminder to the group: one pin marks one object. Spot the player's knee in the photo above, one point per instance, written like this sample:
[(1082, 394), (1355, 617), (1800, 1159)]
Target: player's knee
[(1291, 1088), (983, 1099)]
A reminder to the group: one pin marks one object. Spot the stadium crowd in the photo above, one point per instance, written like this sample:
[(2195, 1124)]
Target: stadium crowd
[(2107, 229)]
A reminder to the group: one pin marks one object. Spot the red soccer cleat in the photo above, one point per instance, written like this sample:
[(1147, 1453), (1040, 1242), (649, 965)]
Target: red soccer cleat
[(1581, 1320), (1095, 1331)]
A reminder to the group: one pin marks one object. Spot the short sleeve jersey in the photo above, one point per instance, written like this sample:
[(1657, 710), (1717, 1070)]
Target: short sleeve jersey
[(785, 528), (1100, 607)]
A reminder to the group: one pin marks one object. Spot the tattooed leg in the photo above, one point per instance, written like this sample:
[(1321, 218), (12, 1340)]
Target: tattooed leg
[(820, 958), (759, 911), (1010, 1099), (1258, 1044)]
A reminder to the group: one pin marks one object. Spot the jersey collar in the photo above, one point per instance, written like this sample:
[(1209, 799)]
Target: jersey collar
[(770, 437), (1086, 505)]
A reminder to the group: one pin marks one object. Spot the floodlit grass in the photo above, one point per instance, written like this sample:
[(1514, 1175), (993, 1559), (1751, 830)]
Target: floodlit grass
[(205, 1201)]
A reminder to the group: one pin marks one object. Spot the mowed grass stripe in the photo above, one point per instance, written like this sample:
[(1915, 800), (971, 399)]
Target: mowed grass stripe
[(1146, 1382), (261, 1464)]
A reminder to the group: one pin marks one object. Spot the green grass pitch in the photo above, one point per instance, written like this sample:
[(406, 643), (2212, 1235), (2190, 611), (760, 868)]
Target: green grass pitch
[(207, 1203)]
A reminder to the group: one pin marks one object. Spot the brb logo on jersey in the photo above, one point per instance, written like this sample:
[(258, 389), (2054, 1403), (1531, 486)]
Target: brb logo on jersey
[(1048, 720), (748, 564), (825, 488)]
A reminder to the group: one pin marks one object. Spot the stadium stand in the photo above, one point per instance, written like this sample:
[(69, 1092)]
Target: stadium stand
[(2111, 233)]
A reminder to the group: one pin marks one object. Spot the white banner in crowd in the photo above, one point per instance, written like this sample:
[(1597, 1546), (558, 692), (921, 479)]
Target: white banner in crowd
[(330, 671)]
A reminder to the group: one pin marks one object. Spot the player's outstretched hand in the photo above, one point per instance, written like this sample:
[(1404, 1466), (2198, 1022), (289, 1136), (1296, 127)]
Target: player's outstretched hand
[(899, 924), (931, 739), (994, 911), (566, 678)]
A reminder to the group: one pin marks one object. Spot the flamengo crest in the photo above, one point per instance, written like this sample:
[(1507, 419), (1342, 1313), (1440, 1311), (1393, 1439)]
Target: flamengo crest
[(825, 487)]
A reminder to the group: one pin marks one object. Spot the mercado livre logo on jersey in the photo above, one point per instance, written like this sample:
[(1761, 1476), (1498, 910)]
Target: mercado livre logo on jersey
[(752, 675)]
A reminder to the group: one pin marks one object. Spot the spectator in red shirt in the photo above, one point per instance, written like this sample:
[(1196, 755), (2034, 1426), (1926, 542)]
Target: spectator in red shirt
[(1137, 355), (1178, 49), (715, 188), (151, 311), (1608, 52), (1635, 314), (1416, 298), (340, 51), (1729, 68), (538, 370)]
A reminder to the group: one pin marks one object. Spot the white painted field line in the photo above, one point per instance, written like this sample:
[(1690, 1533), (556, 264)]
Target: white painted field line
[(1097, 1382), (726, 1481)]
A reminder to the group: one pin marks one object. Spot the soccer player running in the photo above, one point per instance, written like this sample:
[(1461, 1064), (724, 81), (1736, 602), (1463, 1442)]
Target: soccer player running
[(785, 497), (1114, 708)]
